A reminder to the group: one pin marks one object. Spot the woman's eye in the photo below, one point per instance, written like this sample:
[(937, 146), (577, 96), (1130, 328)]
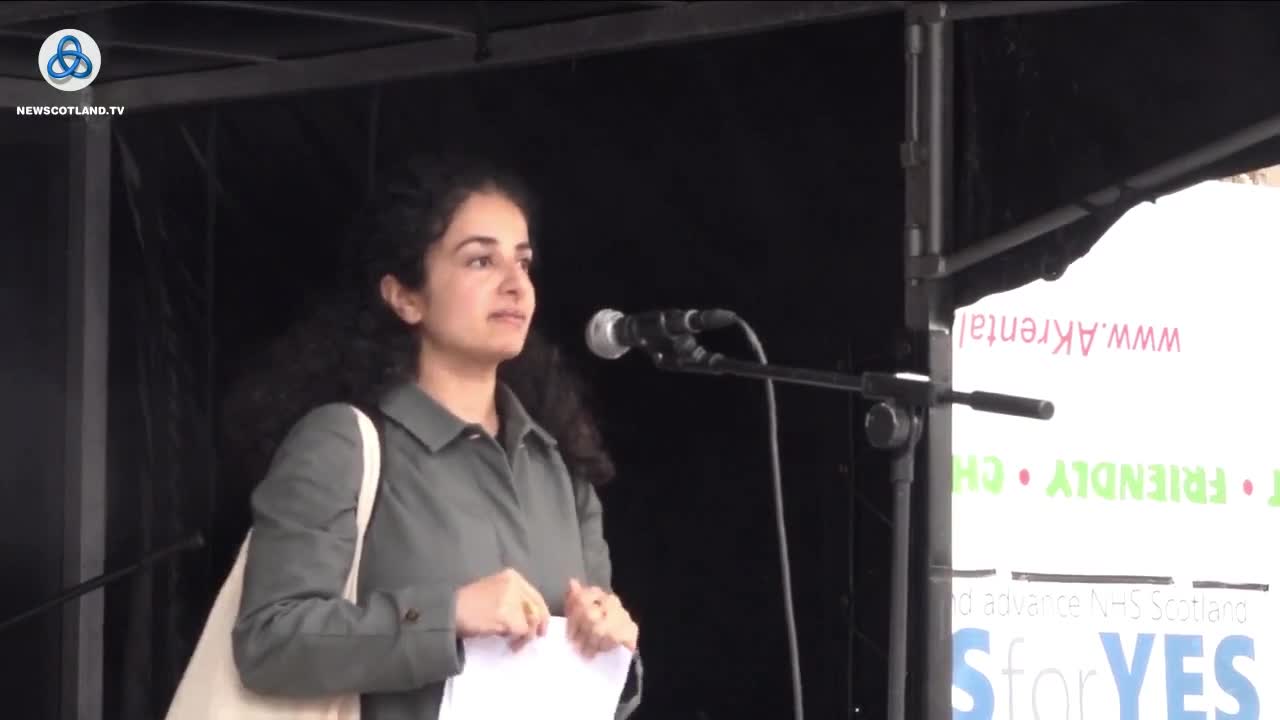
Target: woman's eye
[(482, 261)]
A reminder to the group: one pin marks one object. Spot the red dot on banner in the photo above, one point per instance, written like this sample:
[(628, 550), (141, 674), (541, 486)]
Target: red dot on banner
[(1248, 487), (1024, 477)]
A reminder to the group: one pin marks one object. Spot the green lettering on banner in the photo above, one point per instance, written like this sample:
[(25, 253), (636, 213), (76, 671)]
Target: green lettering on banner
[(1131, 477), (1194, 485), (1104, 480), (1219, 486), (1156, 482), (1060, 483), (993, 479), (1157, 477), (1153, 483), (964, 473), (970, 473), (1275, 491)]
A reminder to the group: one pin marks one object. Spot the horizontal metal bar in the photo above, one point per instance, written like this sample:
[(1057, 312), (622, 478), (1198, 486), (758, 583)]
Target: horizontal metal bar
[(698, 21), (958, 11), (371, 15), (186, 49), (13, 13), (16, 92), (1169, 172)]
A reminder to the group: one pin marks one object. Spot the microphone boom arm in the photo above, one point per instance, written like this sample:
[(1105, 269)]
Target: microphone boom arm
[(683, 354), (894, 423)]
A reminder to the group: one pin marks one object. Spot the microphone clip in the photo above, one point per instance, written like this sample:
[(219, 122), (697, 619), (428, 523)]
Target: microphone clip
[(682, 353)]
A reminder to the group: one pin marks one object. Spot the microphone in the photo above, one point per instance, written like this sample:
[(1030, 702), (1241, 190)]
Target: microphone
[(610, 334)]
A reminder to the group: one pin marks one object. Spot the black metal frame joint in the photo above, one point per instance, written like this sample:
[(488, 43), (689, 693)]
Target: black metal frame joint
[(913, 154), (927, 12), (926, 267), (483, 50)]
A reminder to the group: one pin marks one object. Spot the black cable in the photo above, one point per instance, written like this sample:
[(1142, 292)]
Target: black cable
[(788, 604), (195, 542)]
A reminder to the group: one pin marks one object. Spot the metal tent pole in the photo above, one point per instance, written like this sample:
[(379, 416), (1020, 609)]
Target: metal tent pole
[(88, 276), (920, 630)]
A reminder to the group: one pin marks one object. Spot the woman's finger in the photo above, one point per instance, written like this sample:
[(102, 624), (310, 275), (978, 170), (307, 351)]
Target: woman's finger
[(523, 622), (578, 624), (535, 597), (602, 641), (629, 637), (536, 608), (584, 634), (517, 643), (584, 596), (514, 619), (618, 629), (604, 629)]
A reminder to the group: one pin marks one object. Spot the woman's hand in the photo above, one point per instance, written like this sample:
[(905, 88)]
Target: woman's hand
[(503, 604), (597, 621)]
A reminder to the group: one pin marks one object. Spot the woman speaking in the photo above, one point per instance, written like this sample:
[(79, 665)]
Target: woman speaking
[(487, 520)]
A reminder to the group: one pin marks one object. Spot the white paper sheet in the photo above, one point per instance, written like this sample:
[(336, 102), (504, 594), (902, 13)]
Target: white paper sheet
[(547, 678)]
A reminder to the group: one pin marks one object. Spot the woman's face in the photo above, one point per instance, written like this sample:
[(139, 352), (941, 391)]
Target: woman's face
[(478, 301)]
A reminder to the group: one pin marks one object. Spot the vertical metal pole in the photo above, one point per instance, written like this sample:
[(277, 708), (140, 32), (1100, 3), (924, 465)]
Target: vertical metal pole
[(88, 268), (927, 162), (211, 185), (375, 118), (903, 479)]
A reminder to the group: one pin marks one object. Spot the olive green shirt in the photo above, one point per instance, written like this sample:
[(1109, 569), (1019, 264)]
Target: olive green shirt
[(454, 505)]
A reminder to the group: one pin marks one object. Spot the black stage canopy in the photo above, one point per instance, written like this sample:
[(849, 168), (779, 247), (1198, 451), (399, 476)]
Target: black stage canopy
[(905, 158)]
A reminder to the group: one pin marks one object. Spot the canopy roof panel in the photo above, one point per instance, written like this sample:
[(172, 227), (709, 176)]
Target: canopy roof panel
[(158, 54)]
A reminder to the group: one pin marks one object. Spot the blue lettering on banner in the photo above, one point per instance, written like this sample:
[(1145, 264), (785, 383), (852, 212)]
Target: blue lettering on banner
[(1128, 675), (1230, 679), (1179, 683), (969, 679)]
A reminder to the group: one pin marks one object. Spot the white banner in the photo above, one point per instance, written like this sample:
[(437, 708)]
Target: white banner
[(1119, 561)]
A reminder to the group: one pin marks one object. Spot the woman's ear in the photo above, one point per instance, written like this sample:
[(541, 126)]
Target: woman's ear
[(402, 302)]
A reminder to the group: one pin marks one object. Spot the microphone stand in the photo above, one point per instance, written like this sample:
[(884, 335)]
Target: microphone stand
[(894, 424), (192, 543)]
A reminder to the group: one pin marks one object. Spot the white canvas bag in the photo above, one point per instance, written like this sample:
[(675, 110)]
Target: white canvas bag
[(211, 689)]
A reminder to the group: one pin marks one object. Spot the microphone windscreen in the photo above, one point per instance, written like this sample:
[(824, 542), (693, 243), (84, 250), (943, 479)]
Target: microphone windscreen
[(601, 335)]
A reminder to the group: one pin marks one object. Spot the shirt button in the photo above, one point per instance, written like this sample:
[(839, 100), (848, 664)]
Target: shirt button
[(411, 615)]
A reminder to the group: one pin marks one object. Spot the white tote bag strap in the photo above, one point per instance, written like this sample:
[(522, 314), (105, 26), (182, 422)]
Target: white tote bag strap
[(372, 446), (210, 688)]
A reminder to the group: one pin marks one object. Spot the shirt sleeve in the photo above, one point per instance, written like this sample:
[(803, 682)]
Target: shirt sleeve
[(295, 634), (599, 569)]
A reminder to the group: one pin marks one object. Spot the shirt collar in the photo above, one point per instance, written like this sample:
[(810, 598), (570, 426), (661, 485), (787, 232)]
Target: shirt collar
[(435, 426), (516, 421)]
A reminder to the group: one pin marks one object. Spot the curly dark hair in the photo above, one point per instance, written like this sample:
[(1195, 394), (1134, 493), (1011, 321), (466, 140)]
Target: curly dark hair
[(354, 347)]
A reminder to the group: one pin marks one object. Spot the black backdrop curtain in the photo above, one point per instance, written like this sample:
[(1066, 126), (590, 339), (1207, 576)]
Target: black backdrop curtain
[(755, 174), (33, 386), (1053, 107)]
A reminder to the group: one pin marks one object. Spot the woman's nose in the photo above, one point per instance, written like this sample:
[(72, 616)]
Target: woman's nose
[(515, 280)]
